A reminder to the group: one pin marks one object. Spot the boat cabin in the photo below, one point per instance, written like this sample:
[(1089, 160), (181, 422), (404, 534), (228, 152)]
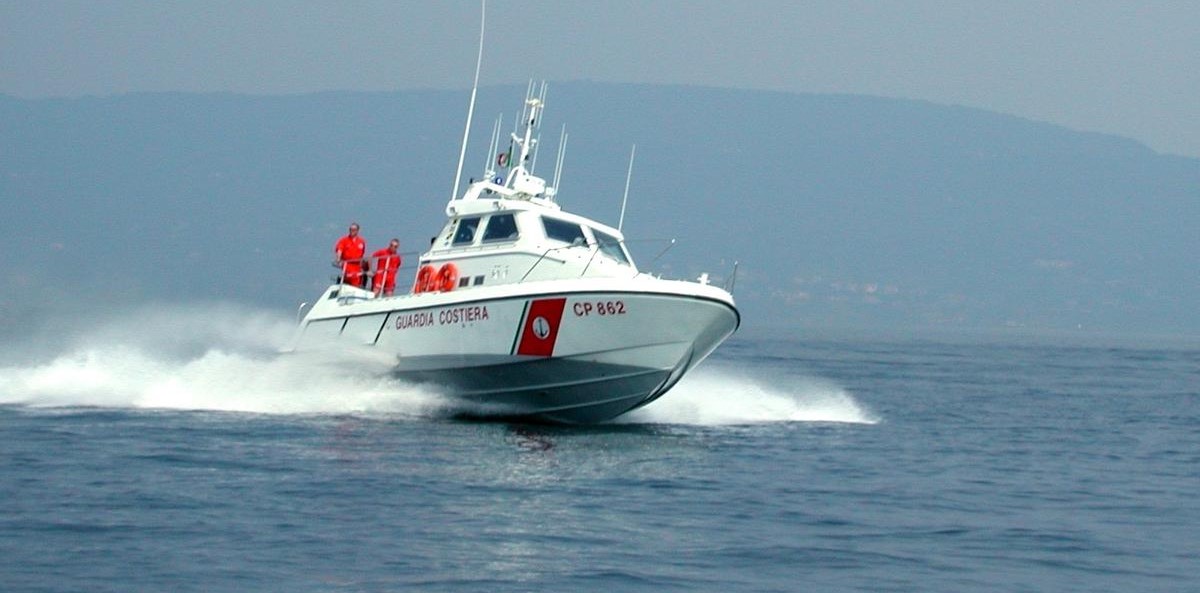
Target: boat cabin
[(501, 240)]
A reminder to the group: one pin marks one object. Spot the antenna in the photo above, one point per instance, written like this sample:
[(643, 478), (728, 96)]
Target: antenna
[(493, 148), (663, 252), (524, 109), (537, 125), (537, 141), (542, 99), (462, 154), (526, 141), (562, 153), (628, 176)]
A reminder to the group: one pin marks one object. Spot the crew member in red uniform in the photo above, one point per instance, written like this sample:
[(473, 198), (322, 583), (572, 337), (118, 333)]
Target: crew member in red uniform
[(387, 261), (348, 254)]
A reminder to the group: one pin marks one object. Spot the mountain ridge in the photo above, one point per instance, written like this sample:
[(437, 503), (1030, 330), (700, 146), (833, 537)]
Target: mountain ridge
[(844, 210)]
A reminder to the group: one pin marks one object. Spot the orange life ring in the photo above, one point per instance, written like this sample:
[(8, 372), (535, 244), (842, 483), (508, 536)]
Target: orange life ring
[(447, 277), (424, 282)]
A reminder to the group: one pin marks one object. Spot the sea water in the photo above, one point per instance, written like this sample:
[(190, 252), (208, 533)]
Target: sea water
[(196, 458)]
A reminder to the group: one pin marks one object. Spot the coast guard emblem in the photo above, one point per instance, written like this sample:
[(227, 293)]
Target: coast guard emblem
[(539, 327)]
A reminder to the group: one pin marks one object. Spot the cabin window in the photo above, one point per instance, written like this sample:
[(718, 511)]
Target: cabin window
[(500, 227), (610, 246), (465, 234), (561, 230)]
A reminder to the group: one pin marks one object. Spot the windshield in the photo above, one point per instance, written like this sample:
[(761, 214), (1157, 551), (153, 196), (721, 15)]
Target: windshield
[(466, 231), (561, 230), (610, 246), (500, 227)]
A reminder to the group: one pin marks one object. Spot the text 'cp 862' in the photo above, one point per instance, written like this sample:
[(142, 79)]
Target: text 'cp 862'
[(586, 308)]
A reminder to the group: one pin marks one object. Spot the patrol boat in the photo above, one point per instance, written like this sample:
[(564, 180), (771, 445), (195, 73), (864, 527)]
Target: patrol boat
[(521, 309)]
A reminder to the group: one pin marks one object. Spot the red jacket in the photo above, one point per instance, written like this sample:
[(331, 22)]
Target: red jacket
[(350, 251), (386, 264), (350, 247)]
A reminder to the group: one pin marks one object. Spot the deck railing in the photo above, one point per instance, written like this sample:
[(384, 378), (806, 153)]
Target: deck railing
[(369, 266)]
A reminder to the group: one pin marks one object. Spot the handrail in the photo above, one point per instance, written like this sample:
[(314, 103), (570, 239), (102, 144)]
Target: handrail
[(493, 245), (367, 272), (542, 257), (595, 249), (547, 254)]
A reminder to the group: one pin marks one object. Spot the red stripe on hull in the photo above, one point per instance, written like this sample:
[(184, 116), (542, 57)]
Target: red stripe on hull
[(541, 327)]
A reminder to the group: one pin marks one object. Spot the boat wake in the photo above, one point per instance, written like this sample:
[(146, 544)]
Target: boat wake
[(210, 357), (718, 396), (227, 358)]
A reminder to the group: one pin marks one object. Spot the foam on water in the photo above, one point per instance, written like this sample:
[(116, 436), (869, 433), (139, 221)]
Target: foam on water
[(217, 357), (225, 357), (718, 396)]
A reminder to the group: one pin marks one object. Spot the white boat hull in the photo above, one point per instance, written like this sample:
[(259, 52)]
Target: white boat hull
[(523, 309), (576, 356)]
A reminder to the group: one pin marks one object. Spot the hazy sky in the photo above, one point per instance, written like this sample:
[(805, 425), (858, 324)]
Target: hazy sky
[(1129, 68)]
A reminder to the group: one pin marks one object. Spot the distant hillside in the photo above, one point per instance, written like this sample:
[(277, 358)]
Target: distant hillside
[(844, 211)]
